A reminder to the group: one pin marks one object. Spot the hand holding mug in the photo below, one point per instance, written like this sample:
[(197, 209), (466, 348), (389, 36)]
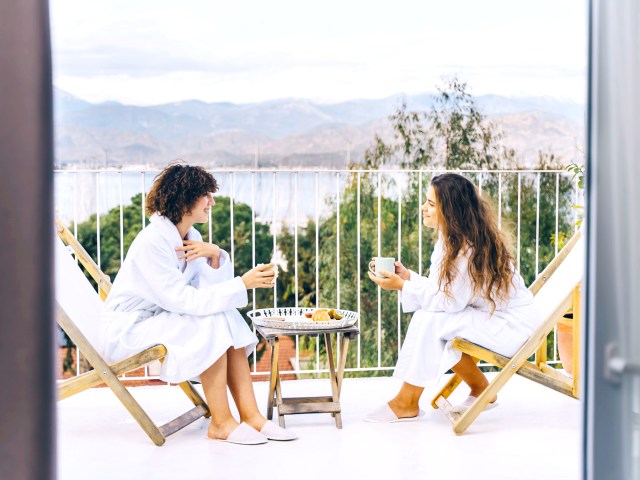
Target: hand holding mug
[(402, 271), (387, 273), (377, 265), (261, 276), (391, 281)]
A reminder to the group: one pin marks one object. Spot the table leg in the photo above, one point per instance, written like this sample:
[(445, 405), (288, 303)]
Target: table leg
[(343, 361), (279, 400), (335, 394), (274, 377)]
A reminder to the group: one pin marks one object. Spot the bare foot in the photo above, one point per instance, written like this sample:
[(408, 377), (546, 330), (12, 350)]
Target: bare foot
[(403, 411), (222, 430)]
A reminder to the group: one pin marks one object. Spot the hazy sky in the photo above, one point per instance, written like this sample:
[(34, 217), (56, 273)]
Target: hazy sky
[(146, 52)]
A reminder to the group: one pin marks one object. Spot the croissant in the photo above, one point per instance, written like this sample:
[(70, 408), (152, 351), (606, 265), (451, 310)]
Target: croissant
[(321, 315)]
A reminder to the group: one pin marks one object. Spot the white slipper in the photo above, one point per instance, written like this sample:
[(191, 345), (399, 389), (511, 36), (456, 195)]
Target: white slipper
[(464, 406), (244, 434), (384, 414), (276, 432)]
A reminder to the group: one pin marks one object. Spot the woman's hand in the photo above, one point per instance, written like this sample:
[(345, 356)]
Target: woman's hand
[(193, 250), (392, 282), (402, 271), (261, 276)]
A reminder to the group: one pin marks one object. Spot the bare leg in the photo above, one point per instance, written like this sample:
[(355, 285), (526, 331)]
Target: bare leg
[(214, 384), (405, 403), (469, 372), (241, 387)]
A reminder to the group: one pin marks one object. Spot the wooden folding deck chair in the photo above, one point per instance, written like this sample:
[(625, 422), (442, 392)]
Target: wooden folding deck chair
[(80, 302), (555, 290)]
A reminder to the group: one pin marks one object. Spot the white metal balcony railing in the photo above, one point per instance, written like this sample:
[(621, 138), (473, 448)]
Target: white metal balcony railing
[(288, 198)]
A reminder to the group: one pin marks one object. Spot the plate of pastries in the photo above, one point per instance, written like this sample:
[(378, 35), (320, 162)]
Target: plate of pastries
[(303, 318)]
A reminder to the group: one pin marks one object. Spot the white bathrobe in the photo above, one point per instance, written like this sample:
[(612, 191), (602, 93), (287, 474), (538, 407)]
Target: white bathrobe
[(188, 307), (426, 352)]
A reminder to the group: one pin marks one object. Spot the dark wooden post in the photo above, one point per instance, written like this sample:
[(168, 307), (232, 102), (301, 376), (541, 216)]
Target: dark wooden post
[(27, 402)]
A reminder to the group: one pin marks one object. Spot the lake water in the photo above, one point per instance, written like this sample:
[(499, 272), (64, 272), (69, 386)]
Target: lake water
[(276, 197)]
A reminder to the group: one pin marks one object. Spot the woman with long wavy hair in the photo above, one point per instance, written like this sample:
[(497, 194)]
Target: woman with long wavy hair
[(472, 291)]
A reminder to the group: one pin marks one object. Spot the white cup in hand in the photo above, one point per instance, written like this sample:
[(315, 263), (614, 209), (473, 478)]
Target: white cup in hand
[(379, 264)]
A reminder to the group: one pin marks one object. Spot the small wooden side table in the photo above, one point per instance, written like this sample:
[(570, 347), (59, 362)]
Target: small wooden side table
[(297, 405)]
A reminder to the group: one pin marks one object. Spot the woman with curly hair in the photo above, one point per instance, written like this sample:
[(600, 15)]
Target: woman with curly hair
[(176, 290), (472, 291)]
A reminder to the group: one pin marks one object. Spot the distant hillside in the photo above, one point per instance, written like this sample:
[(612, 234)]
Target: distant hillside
[(287, 132)]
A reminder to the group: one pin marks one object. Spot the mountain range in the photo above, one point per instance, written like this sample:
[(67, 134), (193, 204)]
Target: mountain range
[(290, 133)]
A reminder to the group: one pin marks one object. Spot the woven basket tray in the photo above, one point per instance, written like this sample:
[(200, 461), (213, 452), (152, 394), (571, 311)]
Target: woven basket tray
[(294, 318)]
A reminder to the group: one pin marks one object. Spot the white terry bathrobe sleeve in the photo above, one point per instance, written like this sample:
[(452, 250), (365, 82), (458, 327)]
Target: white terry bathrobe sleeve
[(162, 284), (423, 293)]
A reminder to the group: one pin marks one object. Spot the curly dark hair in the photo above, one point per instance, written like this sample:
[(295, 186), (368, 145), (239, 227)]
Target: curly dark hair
[(467, 219), (176, 189)]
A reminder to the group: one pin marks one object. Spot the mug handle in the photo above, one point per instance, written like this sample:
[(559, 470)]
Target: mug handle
[(370, 269)]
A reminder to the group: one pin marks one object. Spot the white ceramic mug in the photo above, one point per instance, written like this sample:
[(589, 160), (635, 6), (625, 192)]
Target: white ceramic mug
[(380, 264)]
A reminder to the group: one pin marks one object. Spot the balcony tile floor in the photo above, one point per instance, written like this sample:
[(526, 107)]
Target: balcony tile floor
[(534, 433)]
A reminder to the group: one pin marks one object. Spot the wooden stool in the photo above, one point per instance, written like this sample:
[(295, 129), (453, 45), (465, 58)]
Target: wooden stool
[(297, 405)]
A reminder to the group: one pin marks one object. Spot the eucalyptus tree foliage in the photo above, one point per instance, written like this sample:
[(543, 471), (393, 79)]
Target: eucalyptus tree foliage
[(453, 135), (468, 140)]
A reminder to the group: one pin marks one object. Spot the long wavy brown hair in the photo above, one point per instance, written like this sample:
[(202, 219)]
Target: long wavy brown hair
[(176, 189), (469, 227)]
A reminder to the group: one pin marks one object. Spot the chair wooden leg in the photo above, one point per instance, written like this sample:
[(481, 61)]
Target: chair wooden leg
[(194, 396), (134, 408), (112, 381), (468, 417), (449, 387), (509, 370), (447, 390)]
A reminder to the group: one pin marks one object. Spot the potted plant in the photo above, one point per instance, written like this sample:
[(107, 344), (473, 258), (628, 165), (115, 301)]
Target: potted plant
[(564, 332), (565, 326)]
